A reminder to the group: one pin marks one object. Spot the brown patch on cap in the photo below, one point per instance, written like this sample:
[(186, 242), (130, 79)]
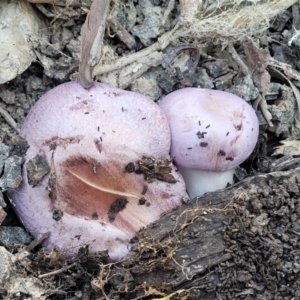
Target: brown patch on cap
[(87, 193)]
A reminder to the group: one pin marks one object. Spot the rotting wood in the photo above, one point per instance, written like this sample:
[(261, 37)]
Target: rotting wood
[(178, 254)]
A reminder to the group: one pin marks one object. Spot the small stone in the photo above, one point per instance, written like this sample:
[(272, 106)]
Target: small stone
[(279, 21), (216, 68), (4, 153), (13, 237), (225, 81), (244, 88), (18, 146), (296, 267), (12, 176), (201, 79), (2, 202), (284, 54), (6, 265), (7, 96)]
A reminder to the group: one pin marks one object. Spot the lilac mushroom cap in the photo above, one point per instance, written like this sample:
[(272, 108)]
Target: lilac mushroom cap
[(212, 133), (88, 137)]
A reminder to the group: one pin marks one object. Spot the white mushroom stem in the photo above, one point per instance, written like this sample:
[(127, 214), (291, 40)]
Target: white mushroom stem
[(200, 182)]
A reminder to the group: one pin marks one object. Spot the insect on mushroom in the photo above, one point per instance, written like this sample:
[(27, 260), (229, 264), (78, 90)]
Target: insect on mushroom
[(212, 133), (89, 197)]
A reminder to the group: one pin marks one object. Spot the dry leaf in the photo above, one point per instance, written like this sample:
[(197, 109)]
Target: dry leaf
[(92, 33), (257, 63), (288, 147)]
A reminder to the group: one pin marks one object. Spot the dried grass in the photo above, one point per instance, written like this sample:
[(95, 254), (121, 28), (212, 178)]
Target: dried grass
[(235, 20)]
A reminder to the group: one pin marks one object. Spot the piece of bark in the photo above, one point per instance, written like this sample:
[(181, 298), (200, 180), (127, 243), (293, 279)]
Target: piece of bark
[(177, 255)]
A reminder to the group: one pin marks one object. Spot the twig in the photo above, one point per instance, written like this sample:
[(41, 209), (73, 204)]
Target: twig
[(168, 10), (162, 43), (37, 241), (264, 109), (256, 103), (261, 100), (8, 119), (238, 60), (121, 32), (59, 271), (122, 78)]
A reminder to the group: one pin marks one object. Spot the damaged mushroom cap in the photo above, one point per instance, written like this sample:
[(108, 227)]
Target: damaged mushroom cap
[(88, 137), (212, 133)]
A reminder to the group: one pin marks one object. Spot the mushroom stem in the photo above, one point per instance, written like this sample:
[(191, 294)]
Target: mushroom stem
[(199, 182)]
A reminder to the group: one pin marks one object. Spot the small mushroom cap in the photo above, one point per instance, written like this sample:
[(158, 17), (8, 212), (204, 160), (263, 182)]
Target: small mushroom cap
[(88, 137), (211, 130)]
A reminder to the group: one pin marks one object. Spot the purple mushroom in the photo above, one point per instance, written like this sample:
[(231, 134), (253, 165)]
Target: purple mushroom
[(95, 192), (212, 133)]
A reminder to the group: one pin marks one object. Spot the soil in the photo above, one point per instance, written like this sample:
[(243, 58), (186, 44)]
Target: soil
[(242, 242)]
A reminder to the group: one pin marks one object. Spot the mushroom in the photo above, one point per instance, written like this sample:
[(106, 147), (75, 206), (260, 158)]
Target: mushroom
[(212, 133), (110, 173)]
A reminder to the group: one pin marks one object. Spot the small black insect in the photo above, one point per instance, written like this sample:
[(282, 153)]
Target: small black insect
[(145, 189)]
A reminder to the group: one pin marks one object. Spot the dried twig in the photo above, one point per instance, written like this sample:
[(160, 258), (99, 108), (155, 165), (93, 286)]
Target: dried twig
[(261, 100), (161, 44), (37, 241), (59, 271), (264, 109), (124, 77), (238, 60), (8, 119), (121, 32)]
